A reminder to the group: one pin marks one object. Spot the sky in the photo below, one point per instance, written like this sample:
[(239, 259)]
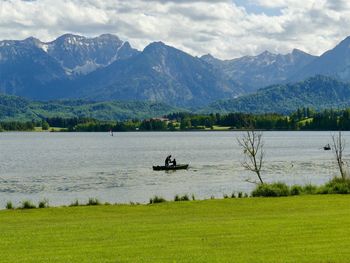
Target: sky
[(224, 28)]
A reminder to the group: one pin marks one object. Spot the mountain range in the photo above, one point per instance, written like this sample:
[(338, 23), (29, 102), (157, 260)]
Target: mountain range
[(158, 73), (319, 93), (254, 72), (106, 68)]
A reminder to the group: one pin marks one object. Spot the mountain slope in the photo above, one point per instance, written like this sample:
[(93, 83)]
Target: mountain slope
[(25, 68), (15, 108), (20, 109), (159, 73), (110, 110), (317, 92), (334, 63), (253, 72)]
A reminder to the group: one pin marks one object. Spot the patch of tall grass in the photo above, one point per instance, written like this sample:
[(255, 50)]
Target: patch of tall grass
[(27, 205), (75, 203), (156, 199), (9, 205), (43, 203), (334, 186), (93, 201), (193, 197), (271, 190), (296, 190), (178, 198), (309, 189)]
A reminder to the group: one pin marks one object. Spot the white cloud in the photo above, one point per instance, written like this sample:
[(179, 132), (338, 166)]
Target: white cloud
[(220, 27)]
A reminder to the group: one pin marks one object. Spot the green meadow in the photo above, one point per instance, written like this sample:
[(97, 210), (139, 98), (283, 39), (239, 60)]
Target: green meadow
[(289, 229)]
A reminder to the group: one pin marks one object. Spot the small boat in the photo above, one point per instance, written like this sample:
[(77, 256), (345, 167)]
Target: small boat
[(170, 167), (327, 147)]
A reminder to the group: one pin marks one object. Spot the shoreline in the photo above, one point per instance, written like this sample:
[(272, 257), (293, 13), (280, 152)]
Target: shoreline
[(335, 186), (179, 131)]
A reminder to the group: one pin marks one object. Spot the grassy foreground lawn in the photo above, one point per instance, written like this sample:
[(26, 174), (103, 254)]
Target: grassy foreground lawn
[(293, 229)]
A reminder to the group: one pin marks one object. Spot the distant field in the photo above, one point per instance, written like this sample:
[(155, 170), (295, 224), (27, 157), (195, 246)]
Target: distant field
[(221, 128), (293, 229), (51, 129), (303, 122)]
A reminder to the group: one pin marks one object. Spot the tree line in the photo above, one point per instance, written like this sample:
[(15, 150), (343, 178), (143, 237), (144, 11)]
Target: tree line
[(302, 119)]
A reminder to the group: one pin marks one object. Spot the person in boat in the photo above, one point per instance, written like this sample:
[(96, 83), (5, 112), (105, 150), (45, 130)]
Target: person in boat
[(167, 160), (174, 162)]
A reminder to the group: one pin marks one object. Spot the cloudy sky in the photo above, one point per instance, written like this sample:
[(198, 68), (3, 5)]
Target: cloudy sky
[(224, 28)]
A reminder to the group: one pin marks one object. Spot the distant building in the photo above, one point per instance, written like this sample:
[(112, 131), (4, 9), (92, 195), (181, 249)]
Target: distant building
[(158, 119)]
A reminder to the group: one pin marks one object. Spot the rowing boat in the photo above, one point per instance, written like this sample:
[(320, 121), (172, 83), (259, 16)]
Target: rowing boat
[(171, 167)]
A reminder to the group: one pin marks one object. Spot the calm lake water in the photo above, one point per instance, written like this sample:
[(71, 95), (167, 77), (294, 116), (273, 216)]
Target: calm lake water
[(62, 167)]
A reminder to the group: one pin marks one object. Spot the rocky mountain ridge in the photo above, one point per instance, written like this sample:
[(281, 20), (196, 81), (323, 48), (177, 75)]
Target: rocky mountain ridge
[(107, 68)]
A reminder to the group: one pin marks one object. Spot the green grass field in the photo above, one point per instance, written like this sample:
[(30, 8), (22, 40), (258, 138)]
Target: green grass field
[(293, 229)]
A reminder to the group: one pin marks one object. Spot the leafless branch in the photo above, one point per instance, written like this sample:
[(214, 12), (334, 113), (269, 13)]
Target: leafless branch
[(338, 149), (252, 182), (253, 149)]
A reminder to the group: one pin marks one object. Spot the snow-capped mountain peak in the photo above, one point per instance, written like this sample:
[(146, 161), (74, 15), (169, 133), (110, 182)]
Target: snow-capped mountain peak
[(81, 55)]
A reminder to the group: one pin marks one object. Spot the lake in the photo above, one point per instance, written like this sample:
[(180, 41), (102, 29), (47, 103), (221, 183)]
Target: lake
[(63, 167)]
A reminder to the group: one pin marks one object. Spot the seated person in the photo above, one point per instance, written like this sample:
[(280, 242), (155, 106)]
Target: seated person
[(168, 160)]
